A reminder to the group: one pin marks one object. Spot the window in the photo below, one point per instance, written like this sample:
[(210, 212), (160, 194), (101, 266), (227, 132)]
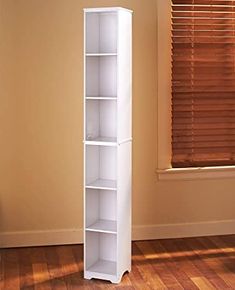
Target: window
[(203, 83)]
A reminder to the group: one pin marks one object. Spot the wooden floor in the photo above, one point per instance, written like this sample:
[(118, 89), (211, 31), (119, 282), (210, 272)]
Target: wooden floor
[(192, 263)]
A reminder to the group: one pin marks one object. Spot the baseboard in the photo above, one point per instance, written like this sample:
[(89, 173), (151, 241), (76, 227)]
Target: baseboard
[(148, 232), (183, 230), (40, 238)]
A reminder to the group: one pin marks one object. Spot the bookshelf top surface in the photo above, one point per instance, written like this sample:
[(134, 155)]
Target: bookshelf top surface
[(106, 9)]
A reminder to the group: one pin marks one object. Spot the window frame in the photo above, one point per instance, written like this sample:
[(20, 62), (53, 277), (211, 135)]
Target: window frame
[(164, 170)]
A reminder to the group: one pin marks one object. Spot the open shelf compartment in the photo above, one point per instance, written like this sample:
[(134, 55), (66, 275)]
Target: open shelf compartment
[(101, 167), (101, 121), (101, 76), (103, 266), (101, 253), (101, 211), (101, 32)]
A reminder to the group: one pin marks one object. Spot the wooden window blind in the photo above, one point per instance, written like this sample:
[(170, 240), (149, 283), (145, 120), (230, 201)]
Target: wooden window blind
[(203, 83)]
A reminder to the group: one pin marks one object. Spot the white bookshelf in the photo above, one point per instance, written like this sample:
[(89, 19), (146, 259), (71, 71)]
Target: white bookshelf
[(107, 142)]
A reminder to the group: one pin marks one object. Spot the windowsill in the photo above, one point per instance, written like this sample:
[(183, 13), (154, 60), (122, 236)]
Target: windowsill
[(196, 173)]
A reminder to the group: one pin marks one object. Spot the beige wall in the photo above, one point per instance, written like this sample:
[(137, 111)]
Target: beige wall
[(41, 123)]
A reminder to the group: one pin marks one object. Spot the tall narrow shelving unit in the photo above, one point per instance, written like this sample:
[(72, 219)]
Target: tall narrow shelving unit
[(107, 142)]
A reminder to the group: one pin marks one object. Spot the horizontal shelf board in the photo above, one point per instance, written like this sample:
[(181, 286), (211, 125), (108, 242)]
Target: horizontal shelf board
[(102, 54), (101, 143), (101, 98), (103, 226), (103, 184), (106, 144), (108, 141), (104, 267)]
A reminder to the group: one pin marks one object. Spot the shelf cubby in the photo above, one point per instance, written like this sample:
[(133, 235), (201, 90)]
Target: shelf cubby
[(101, 32), (102, 205), (101, 76), (101, 163), (101, 121), (104, 267), (101, 253)]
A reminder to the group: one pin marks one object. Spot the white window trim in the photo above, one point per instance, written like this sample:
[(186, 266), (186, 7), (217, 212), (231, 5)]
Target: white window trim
[(164, 170), (196, 173)]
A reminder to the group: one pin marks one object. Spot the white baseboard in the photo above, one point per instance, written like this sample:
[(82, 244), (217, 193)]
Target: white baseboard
[(148, 232), (183, 230), (41, 238)]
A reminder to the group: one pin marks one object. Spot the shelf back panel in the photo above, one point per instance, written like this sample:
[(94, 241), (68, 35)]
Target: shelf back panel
[(101, 119), (100, 246), (100, 205), (101, 163), (101, 76), (101, 32)]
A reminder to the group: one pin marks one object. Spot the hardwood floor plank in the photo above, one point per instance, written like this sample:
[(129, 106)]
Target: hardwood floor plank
[(192, 263), (41, 277), (203, 283), (226, 258), (68, 267), (182, 256), (229, 240), (165, 275), (1, 269), (40, 270), (223, 246), (147, 271), (207, 271), (11, 270), (25, 269), (212, 257), (176, 266), (54, 268), (135, 275)]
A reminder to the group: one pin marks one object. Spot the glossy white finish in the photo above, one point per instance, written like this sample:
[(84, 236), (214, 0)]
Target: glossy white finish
[(107, 143)]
